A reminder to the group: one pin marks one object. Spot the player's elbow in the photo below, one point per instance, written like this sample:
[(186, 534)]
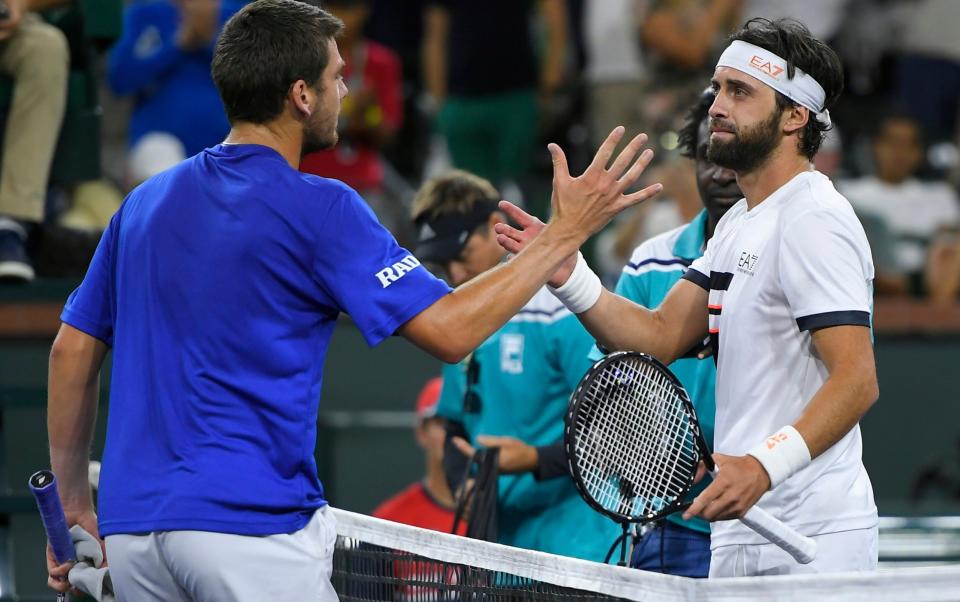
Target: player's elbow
[(867, 390), (451, 353), (66, 347), (871, 392)]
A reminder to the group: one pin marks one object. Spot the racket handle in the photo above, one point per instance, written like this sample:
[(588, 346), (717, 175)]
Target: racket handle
[(802, 548), (44, 487)]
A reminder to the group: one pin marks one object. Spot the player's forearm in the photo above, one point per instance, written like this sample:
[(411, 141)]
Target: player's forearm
[(73, 391), (666, 333), (456, 324), (838, 406), (619, 324)]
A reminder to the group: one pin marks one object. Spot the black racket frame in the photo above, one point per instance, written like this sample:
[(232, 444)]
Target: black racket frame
[(574, 412)]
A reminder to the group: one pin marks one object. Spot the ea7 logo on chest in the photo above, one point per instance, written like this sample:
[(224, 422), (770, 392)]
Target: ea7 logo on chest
[(388, 276), (747, 263)]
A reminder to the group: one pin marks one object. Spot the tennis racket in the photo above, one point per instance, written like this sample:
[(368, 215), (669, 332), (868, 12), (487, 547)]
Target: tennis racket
[(43, 484), (634, 444)]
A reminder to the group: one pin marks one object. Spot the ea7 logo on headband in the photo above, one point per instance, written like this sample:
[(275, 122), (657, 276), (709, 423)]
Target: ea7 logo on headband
[(388, 276), (767, 67)]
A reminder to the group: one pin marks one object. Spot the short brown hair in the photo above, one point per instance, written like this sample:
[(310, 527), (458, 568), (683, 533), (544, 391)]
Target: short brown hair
[(266, 47)]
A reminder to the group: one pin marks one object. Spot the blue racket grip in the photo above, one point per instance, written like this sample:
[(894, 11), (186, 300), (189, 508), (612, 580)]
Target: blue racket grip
[(43, 484)]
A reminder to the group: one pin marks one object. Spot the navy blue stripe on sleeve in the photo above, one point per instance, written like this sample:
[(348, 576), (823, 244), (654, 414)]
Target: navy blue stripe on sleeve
[(698, 279), (654, 260), (834, 318)]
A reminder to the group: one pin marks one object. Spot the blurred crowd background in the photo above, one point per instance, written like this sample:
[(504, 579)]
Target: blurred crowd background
[(107, 93)]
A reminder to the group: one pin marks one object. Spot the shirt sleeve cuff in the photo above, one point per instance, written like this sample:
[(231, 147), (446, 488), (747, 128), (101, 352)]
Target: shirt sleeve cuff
[(834, 318), (552, 462), (697, 278), (86, 326)]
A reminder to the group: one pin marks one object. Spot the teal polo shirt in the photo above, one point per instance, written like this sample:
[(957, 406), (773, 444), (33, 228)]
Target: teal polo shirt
[(653, 269)]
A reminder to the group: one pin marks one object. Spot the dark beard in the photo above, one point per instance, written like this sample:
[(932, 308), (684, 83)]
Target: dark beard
[(314, 142), (750, 148)]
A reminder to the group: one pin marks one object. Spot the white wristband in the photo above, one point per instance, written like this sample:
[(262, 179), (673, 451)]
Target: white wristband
[(581, 290), (782, 454)]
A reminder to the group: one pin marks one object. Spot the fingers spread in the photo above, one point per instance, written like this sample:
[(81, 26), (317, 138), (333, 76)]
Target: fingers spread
[(606, 149), (510, 245), (517, 214), (627, 154), (636, 170), (560, 169), (640, 195)]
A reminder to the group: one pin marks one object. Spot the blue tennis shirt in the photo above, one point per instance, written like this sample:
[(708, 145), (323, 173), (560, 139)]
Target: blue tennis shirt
[(217, 284)]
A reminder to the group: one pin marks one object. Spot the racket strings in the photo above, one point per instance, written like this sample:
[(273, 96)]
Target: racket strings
[(635, 440)]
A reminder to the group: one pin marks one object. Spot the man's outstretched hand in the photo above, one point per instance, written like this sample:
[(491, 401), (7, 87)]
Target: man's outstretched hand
[(584, 204)]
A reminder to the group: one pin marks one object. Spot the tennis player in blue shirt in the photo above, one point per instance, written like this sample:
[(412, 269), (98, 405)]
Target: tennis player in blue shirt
[(217, 285)]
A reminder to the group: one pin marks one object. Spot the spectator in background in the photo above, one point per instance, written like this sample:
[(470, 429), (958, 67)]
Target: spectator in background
[(36, 56), (929, 73), (481, 71), (943, 268), (399, 27), (163, 58), (428, 503), (680, 204), (911, 210), (614, 70), (682, 38), (822, 17), (515, 386), (369, 117)]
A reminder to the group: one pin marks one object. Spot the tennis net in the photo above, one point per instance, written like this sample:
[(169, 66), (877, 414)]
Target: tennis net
[(381, 561)]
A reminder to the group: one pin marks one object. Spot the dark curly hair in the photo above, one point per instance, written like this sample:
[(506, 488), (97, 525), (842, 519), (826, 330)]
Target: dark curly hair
[(793, 42), (691, 126)]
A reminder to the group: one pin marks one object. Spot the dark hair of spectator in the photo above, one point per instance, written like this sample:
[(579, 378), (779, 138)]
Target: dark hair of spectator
[(896, 113), (266, 47), (793, 42), (691, 126)]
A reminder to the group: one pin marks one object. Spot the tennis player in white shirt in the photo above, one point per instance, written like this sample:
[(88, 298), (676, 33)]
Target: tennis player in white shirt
[(784, 292)]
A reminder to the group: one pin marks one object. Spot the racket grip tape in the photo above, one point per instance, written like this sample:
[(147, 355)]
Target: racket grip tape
[(43, 484), (802, 548)]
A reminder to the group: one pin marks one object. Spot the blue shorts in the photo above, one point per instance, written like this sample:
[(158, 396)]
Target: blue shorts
[(674, 550)]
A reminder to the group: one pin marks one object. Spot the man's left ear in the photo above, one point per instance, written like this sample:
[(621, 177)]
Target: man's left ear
[(302, 97), (797, 118)]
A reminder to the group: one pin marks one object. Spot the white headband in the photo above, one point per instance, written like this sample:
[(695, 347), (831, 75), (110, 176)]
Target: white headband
[(772, 70)]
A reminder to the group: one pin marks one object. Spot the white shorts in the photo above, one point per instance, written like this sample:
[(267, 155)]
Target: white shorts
[(843, 551), (200, 566)]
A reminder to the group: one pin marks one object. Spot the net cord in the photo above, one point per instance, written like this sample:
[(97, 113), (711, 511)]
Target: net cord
[(921, 584)]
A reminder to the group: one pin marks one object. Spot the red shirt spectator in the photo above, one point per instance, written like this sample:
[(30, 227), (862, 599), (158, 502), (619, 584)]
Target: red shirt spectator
[(371, 112), (427, 503), (415, 506)]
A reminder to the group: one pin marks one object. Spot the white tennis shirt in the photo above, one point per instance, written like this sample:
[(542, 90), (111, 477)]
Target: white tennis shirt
[(797, 262)]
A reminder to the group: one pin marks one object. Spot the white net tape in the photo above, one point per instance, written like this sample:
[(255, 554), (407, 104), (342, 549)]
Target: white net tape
[(928, 584)]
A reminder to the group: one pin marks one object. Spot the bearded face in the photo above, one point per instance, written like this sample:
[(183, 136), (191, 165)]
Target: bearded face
[(748, 147), (319, 131)]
